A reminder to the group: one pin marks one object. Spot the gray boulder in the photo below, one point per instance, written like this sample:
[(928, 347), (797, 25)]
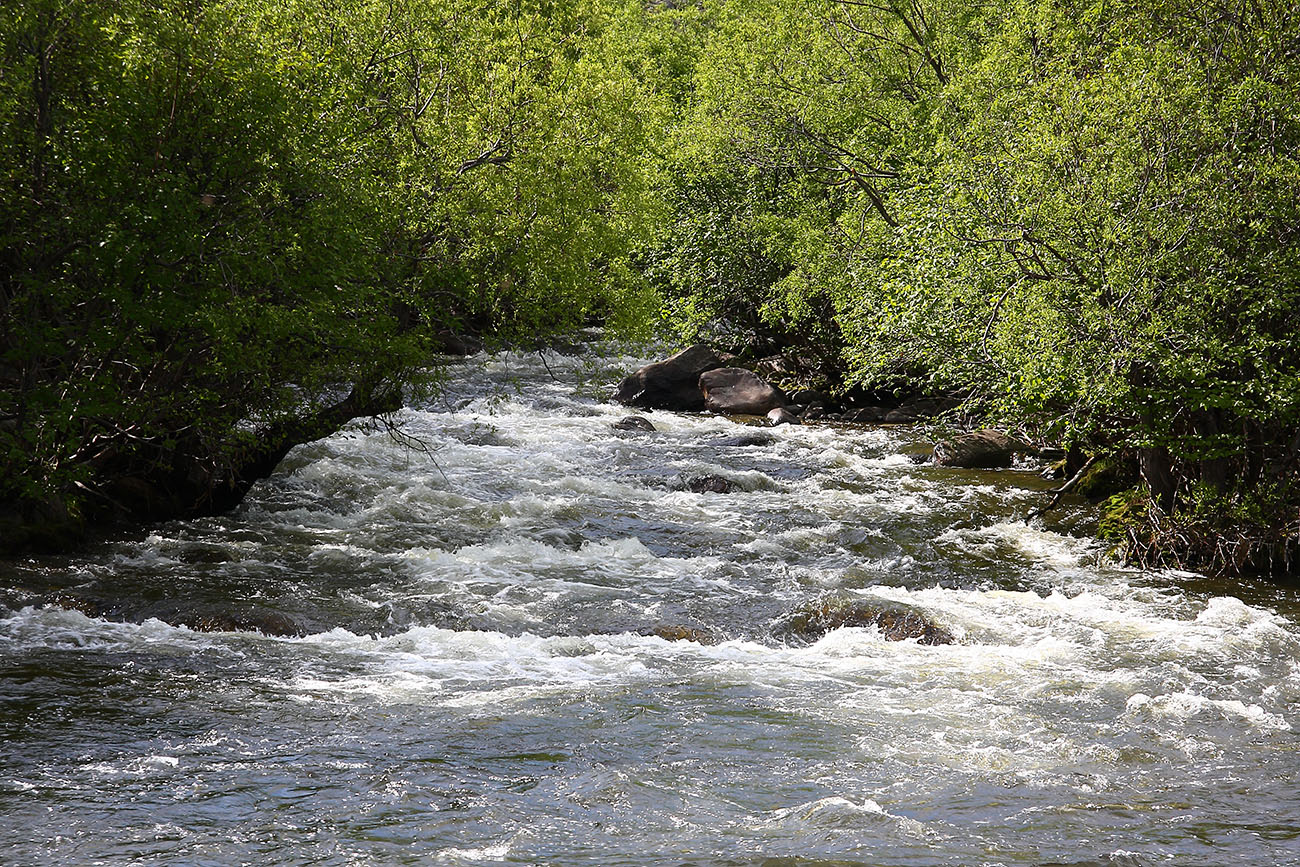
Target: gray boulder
[(984, 448), (670, 384), (736, 391)]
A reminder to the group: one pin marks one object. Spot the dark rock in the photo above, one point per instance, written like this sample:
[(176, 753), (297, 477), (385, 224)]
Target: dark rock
[(70, 601), (867, 415), (811, 621), (814, 413), (780, 415), (451, 343), (743, 441), (207, 619), (901, 416), (809, 396), (673, 632), (634, 423), (670, 384), (710, 485), (258, 620), (919, 458), (736, 391), (985, 448), (44, 524)]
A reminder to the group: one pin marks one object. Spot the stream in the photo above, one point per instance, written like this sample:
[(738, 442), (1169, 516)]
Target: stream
[(473, 675)]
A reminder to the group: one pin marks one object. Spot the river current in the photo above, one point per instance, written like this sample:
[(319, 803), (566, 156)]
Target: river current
[(477, 680)]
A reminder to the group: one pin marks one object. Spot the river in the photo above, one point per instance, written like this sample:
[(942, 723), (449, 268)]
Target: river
[(477, 680)]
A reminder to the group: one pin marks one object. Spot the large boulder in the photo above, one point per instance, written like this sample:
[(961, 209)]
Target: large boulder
[(670, 384), (736, 391), (984, 448)]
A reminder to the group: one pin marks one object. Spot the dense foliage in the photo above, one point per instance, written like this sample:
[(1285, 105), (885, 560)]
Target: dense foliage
[(1078, 215), (1081, 216), (220, 216)]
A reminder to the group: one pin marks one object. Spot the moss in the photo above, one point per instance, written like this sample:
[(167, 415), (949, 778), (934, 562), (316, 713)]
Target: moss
[(1107, 477), (1242, 533)]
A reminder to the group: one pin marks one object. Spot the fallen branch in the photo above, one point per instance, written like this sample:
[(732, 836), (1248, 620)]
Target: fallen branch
[(1064, 489)]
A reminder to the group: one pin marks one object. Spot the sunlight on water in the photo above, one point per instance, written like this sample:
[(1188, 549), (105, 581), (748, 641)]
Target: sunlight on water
[(468, 662)]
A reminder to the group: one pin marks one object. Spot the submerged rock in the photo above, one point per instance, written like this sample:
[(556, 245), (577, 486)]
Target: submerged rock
[(670, 384), (743, 441), (710, 485), (208, 619), (985, 448), (675, 632), (257, 620), (812, 620), (634, 423), (736, 391)]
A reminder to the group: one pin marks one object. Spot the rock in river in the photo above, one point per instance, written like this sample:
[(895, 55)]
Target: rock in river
[(984, 448), (736, 391), (812, 620), (780, 415), (634, 423), (673, 383)]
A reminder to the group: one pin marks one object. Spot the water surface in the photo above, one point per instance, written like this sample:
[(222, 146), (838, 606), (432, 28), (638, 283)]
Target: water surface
[(476, 680)]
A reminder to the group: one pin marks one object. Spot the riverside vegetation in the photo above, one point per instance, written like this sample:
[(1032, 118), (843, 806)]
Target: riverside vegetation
[(230, 225)]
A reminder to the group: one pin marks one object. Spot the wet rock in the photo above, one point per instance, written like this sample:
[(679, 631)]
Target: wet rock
[(674, 632), (258, 620), (811, 621), (1054, 470), (736, 391), (670, 384), (920, 408), (206, 619), (919, 458), (710, 485), (814, 413), (743, 441), (70, 601), (634, 423), (781, 415), (984, 448), (901, 416), (809, 396), (867, 415), (451, 343)]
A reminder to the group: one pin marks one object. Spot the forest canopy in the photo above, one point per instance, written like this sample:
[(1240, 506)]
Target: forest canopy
[(1079, 217)]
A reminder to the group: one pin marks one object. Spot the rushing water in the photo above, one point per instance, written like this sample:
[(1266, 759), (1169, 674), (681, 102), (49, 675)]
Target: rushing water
[(476, 682)]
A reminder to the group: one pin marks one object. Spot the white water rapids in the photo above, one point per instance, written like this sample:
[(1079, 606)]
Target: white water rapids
[(478, 681)]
